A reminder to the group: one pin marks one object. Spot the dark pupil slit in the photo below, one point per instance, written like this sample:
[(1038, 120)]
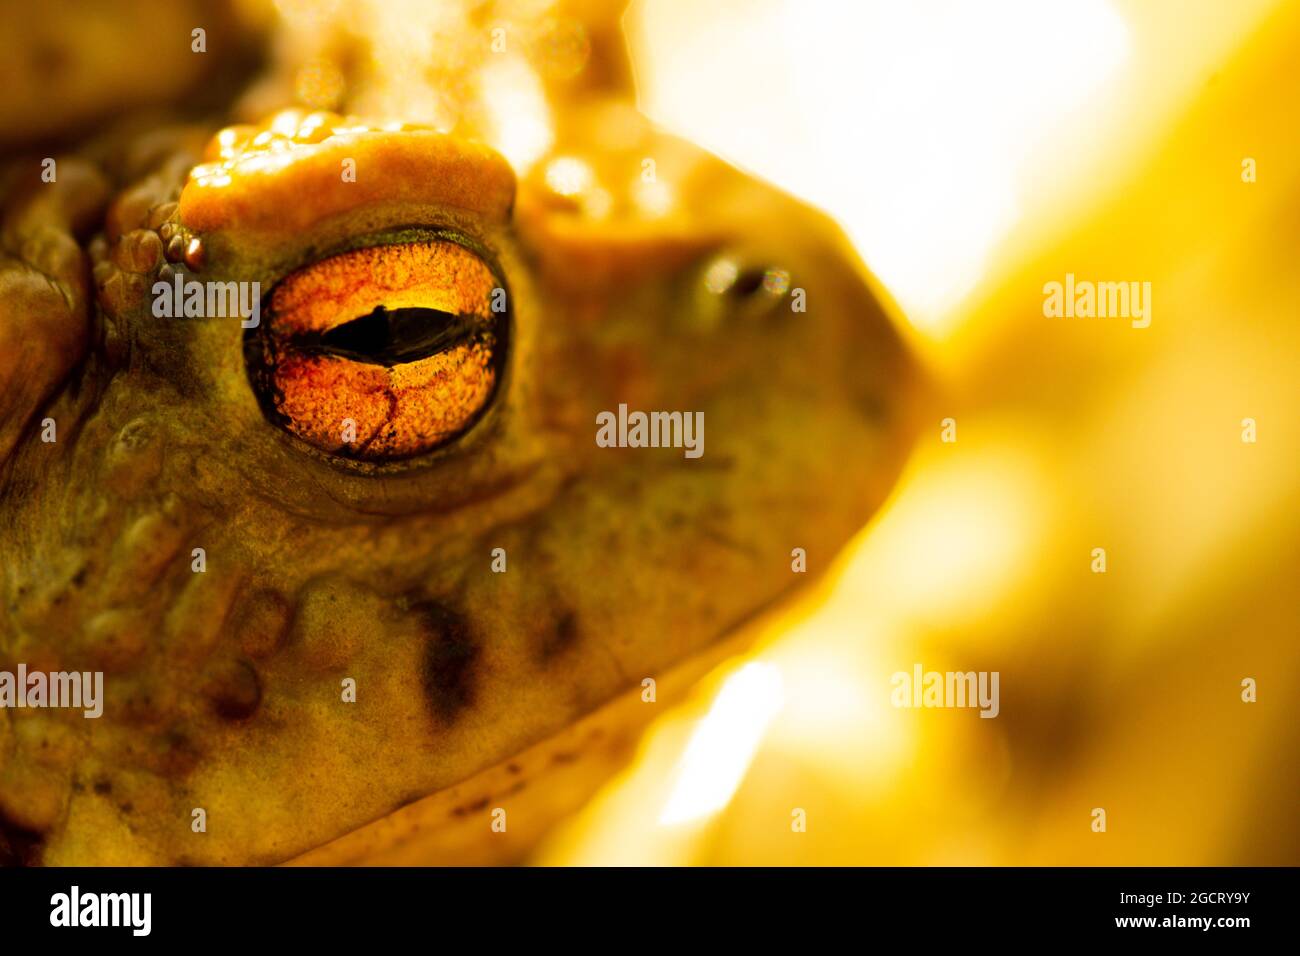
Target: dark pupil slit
[(395, 337)]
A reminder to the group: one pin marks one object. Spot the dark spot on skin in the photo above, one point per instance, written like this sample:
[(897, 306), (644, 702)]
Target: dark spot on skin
[(180, 755), (561, 637), (514, 768), (449, 658), (873, 407), (103, 786), (47, 57), (236, 692), (18, 845), (475, 807), (563, 757), (126, 807)]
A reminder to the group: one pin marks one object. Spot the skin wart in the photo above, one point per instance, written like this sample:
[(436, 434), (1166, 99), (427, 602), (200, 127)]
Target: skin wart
[(474, 689)]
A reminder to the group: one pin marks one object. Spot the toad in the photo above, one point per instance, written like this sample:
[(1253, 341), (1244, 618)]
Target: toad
[(361, 580)]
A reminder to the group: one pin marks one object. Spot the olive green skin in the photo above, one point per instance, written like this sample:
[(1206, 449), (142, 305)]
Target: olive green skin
[(224, 688)]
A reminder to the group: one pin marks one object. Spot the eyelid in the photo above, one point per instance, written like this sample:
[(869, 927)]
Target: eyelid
[(282, 185)]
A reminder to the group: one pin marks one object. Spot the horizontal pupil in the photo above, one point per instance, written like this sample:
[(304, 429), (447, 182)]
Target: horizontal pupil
[(392, 337)]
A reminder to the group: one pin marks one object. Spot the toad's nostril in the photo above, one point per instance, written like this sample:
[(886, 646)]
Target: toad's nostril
[(747, 283)]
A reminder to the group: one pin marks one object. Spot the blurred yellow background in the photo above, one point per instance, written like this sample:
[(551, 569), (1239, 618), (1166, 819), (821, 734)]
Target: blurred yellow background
[(975, 152)]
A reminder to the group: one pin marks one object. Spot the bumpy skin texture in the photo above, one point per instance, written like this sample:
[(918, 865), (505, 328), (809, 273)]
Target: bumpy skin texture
[(222, 688)]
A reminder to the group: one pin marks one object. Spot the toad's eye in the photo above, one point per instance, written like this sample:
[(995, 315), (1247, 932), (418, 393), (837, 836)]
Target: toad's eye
[(384, 352)]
